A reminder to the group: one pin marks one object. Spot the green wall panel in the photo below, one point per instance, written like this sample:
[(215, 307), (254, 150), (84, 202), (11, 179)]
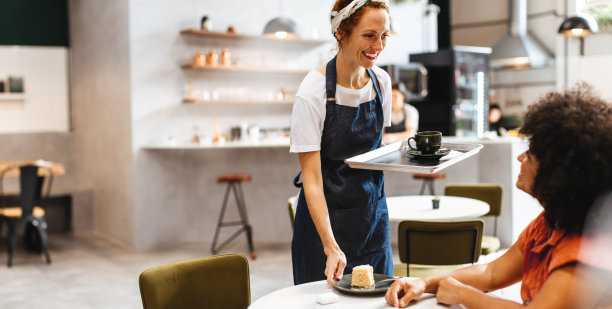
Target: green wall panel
[(34, 22)]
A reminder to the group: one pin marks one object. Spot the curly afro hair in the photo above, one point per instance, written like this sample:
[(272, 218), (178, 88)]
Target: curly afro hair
[(570, 134)]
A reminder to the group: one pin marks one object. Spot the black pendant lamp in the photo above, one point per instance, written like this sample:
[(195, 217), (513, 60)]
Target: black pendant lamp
[(578, 26)]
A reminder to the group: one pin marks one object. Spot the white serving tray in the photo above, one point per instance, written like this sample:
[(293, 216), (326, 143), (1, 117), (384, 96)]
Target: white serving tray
[(394, 158)]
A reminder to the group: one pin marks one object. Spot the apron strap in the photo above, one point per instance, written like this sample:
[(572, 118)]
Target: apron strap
[(330, 81), (375, 83), (296, 181)]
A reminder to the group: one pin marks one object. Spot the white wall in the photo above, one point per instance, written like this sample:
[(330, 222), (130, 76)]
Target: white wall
[(45, 76)]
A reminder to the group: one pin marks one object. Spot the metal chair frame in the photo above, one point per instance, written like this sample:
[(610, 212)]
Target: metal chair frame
[(236, 187), (31, 191)]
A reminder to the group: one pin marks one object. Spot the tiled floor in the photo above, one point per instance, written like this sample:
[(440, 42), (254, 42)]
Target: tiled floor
[(89, 272)]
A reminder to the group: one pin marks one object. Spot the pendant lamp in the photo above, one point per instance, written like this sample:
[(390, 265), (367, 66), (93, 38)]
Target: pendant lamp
[(579, 26), (281, 27)]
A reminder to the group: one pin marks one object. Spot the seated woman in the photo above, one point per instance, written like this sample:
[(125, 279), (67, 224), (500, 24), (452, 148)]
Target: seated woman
[(404, 117), (568, 164)]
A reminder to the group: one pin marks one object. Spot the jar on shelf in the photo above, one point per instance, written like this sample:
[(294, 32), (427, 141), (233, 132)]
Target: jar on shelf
[(212, 59), (199, 60), (225, 57), (206, 24)]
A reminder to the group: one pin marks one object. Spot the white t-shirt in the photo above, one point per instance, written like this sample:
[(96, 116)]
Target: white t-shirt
[(412, 116), (309, 107)]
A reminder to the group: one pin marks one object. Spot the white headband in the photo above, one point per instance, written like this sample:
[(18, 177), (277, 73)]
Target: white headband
[(354, 6)]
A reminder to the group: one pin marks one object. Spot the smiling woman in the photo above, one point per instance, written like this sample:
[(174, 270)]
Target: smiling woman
[(339, 112), (568, 165)]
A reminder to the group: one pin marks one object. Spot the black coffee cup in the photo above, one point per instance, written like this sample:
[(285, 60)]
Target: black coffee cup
[(427, 142)]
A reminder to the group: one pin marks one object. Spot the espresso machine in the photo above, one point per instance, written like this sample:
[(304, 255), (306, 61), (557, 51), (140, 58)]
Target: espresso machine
[(457, 101)]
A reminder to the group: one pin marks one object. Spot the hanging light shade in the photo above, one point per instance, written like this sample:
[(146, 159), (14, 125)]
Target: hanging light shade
[(281, 28), (578, 26)]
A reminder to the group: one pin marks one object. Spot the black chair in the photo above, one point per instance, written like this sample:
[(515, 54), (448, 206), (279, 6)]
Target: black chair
[(437, 246), (27, 213)]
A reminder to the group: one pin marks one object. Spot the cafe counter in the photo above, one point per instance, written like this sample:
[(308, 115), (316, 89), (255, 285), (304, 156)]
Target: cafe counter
[(184, 199)]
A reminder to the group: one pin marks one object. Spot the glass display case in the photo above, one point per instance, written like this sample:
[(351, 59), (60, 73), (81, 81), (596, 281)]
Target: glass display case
[(458, 97)]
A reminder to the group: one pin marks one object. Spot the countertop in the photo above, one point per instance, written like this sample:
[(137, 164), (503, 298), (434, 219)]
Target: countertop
[(284, 143)]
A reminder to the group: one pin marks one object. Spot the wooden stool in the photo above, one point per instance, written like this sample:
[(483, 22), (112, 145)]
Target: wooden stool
[(428, 179), (234, 183)]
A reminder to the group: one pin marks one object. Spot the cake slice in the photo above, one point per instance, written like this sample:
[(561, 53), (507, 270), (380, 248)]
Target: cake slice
[(363, 276)]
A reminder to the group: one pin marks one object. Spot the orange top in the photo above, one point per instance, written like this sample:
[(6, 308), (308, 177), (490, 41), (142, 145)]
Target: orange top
[(544, 250)]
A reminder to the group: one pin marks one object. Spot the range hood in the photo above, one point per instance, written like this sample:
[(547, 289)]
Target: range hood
[(518, 49)]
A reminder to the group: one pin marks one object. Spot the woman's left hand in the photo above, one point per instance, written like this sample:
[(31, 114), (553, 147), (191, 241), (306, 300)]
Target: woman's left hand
[(448, 291)]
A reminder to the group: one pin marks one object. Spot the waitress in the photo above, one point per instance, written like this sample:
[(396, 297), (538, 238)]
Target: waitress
[(339, 112)]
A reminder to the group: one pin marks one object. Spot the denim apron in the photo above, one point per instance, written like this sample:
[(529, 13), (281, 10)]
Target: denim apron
[(355, 197)]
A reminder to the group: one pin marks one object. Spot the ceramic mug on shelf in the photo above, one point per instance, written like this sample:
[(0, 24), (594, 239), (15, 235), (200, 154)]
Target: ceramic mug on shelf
[(427, 142)]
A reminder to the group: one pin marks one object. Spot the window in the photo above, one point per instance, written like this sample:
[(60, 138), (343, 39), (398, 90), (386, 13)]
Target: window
[(601, 10)]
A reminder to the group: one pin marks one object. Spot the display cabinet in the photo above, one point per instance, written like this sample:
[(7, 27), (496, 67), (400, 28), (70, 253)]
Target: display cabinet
[(458, 98)]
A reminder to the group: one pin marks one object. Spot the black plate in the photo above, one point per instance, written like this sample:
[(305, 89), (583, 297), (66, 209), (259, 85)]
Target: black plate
[(344, 285), (430, 156)]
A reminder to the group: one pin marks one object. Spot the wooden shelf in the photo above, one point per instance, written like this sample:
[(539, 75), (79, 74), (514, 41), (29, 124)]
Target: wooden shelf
[(245, 69), (233, 36), (15, 97), (186, 101)]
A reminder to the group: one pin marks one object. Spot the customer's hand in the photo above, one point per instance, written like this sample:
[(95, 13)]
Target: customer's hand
[(404, 290), (336, 262), (448, 291)]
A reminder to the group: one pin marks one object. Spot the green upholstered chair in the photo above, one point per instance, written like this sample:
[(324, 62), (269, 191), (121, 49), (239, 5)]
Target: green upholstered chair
[(220, 281), (490, 194), (427, 248), (292, 211)]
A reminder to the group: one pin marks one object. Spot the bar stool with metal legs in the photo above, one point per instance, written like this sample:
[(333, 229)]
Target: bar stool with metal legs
[(234, 184), (428, 180)]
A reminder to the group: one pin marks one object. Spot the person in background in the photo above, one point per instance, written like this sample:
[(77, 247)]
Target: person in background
[(339, 111), (495, 113), (404, 117), (567, 166)]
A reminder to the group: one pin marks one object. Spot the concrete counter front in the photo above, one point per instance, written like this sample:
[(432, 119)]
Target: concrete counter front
[(182, 199)]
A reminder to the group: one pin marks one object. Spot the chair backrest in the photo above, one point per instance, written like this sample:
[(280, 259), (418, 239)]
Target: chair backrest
[(440, 243), (488, 193), (30, 183), (291, 209), (220, 281)]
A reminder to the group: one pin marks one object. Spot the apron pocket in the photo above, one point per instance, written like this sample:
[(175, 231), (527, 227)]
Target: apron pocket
[(361, 230)]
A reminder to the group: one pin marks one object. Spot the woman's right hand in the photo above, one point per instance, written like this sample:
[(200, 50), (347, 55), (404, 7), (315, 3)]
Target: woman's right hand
[(336, 262), (404, 290)]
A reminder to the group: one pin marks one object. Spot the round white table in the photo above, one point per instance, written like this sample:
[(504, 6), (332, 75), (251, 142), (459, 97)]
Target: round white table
[(305, 296), (419, 208)]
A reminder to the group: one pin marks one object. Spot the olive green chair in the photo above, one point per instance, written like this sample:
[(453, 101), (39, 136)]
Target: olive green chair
[(490, 194), (428, 248), (292, 211), (220, 281)]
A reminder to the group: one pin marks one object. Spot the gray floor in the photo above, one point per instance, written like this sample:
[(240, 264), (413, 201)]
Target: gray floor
[(89, 272)]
